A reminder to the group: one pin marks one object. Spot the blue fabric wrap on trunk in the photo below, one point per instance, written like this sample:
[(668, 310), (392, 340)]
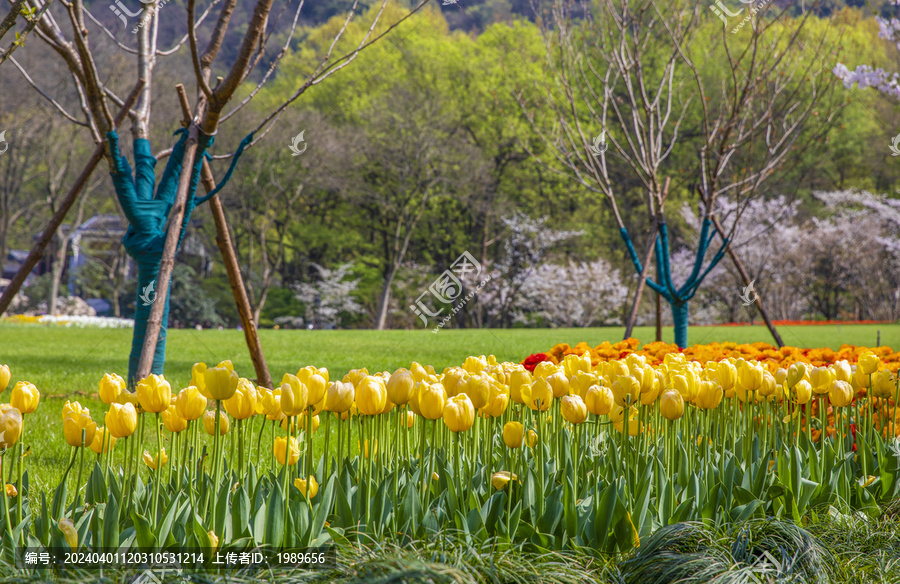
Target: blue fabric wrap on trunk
[(146, 235)]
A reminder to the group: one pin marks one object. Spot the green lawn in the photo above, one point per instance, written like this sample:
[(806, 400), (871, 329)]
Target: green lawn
[(67, 363)]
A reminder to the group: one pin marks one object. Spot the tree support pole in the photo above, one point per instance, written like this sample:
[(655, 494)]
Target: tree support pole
[(37, 252), (746, 279), (173, 234), (223, 240)]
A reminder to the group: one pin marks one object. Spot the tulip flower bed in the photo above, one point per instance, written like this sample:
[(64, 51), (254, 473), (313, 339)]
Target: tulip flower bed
[(771, 356), (587, 454)]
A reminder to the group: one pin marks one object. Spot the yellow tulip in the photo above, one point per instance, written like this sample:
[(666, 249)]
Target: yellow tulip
[(841, 394), (198, 379), (802, 392), (25, 397), (517, 380), (842, 371), (767, 388), (11, 491), (5, 376), (190, 403), (883, 384), (532, 438), (796, 373), (127, 397), (157, 461), (544, 369), (121, 419), (574, 364), (154, 393), (209, 423), (559, 383), (10, 427), (431, 399), (454, 380), (242, 404), (497, 405), (371, 396), (539, 395), (821, 379), (315, 384), (213, 540), (500, 479), (599, 400), (634, 426), (751, 376), (727, 375), (410, 419), (671, 405), (294, 395), (279, 450), (475, 364), (220, 383), (478, 387), (573, 409), (76, 419), (868, 362), (459, 413), (581, 382), (69, 533), (103, 441), (354, 376), (860, 379), (339, 397), (111, 386), (710, 395), (173, 421), (626, 390), (513, 433), (400, 386), (313, 486)]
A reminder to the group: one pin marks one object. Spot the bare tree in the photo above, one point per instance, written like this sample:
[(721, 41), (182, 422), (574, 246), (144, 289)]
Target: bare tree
[(627, 77), (157, 220)]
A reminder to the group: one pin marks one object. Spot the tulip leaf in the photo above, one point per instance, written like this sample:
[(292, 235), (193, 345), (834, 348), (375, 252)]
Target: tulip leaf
[(59, 499), (240, 512), (275, 524), (222, 522), (164, 530), (143, 531), (111, 523), (604, 513), (259, 524), (744, 512), (42, 524), (323, 508)]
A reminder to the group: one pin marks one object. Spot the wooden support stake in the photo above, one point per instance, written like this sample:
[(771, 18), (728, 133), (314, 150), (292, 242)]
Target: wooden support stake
[(173, 234), (223, 240), (37, 252), (746, 278)]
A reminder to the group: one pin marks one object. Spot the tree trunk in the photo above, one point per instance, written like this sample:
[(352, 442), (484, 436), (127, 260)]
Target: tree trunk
[(658, 318), (56, 276), (680, 320), (632, 314), (145, 299), (384, 300)]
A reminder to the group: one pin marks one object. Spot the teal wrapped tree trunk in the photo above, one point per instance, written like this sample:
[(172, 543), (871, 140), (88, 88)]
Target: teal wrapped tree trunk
[(147, 213), (677, 298)]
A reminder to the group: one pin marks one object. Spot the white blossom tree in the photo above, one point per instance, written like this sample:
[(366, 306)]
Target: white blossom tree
[(330, 299)]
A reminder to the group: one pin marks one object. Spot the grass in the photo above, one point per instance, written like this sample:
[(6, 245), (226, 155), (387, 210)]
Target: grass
[(68, 363)]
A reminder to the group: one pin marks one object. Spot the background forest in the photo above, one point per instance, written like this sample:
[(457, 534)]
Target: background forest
[(426, 148)]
